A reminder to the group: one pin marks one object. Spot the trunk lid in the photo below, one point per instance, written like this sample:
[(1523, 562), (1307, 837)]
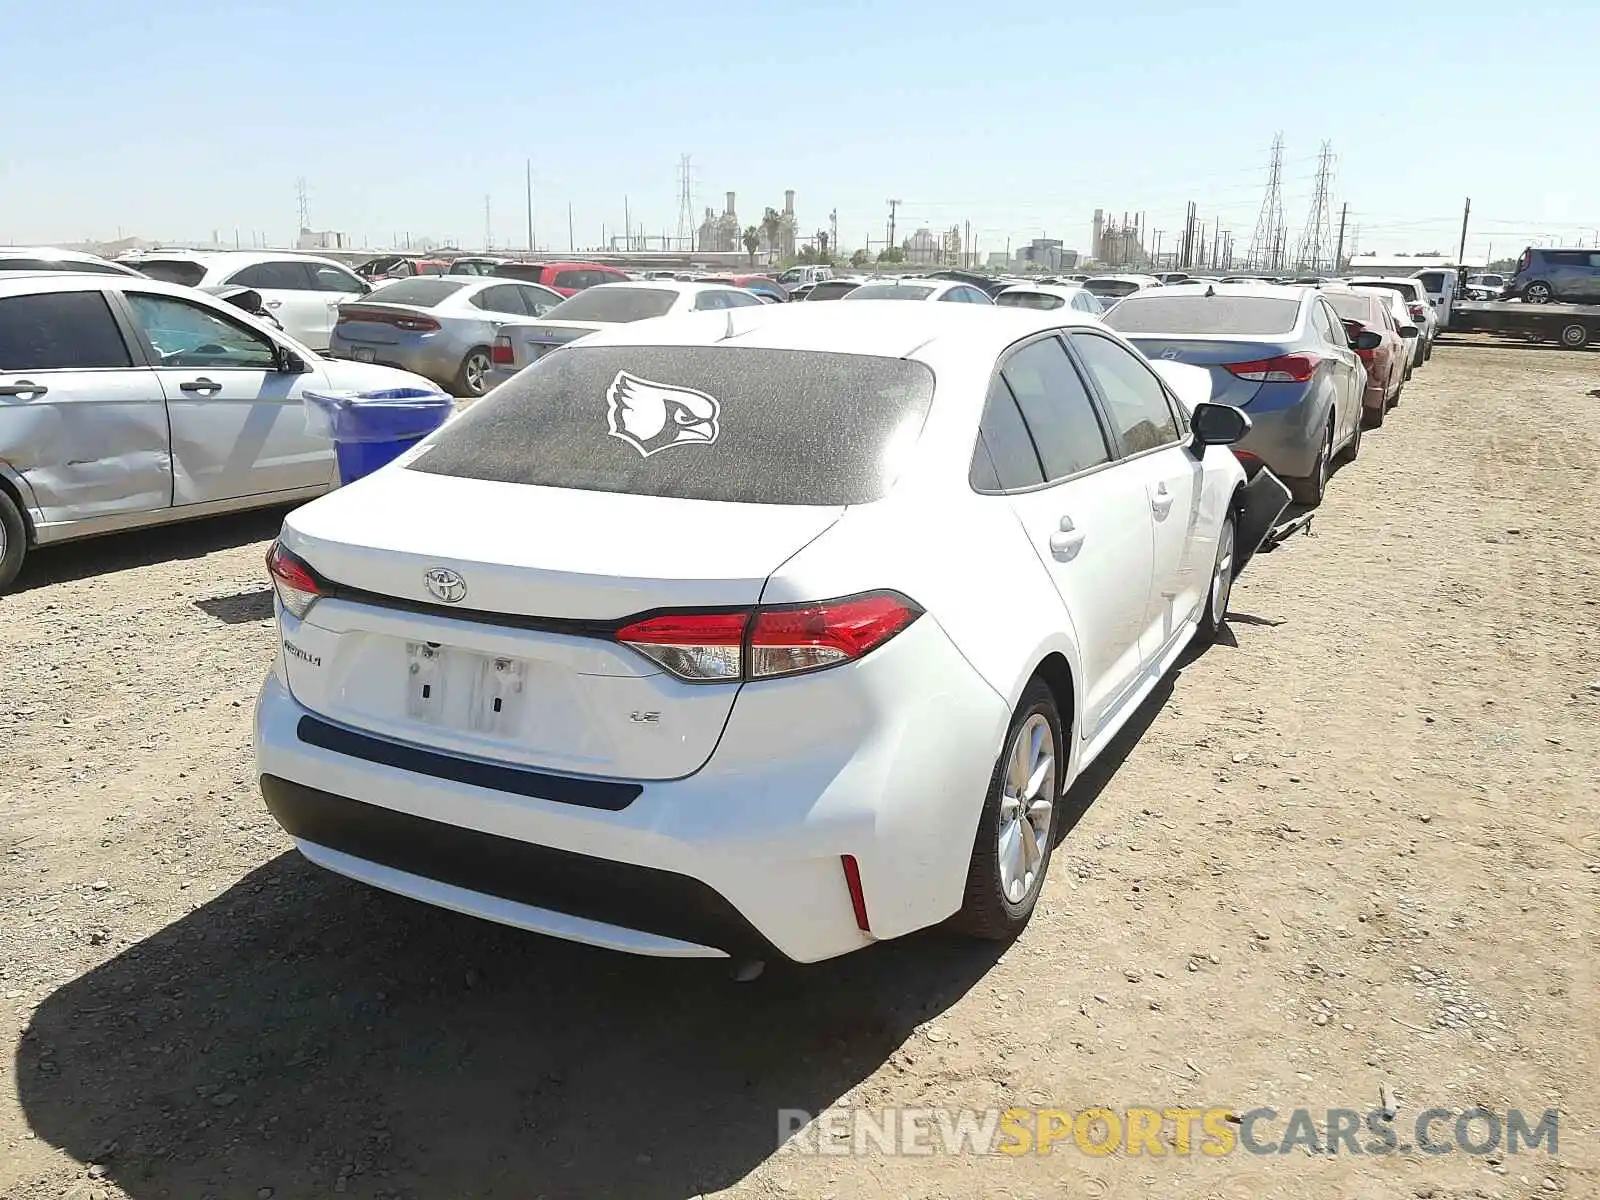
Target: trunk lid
[(519, 669), (1214, 355), (531, 341)]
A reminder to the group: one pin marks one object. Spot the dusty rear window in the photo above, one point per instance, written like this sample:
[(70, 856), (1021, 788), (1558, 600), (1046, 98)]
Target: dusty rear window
[(172, 270), (1162, 312), (730, 423), (422, 293), (615, 305)]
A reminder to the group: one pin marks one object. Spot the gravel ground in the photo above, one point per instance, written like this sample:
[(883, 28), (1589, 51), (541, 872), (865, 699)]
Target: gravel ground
[(1352, 852)]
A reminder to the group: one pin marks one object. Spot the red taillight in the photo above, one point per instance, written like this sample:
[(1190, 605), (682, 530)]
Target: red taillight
[(1418, 312), (378, 316), (769, 642), (294, 581), (501, 353), (1287, 368), (858, 898), (1365, 355)]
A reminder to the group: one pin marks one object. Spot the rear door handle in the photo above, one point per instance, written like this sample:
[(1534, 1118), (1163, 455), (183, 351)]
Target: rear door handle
[(1066, 542), (23, 388), (199, 385), (1161, 500)]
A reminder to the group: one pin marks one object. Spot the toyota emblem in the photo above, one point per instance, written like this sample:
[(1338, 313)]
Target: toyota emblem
[(446, 585)]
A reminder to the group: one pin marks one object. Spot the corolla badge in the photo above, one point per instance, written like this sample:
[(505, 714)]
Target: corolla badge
[(446, 585), (652, 417)]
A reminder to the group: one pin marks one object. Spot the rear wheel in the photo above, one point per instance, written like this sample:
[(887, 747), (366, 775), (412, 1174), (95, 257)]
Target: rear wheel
[(1310, 490), (13, 541), (1016, 829), (473, 378), (1216, 614), (1575, 336), (1538, 293)]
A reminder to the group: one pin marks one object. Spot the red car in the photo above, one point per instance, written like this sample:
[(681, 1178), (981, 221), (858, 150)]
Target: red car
[(568, 278), (1386, 364)]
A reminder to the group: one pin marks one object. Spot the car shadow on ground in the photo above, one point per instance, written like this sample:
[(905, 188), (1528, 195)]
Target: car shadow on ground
[(299, 1029), (303, 1033), (238, 608), (144, 547)]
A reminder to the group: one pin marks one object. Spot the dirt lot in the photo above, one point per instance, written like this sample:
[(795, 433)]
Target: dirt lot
[(1355, 847)]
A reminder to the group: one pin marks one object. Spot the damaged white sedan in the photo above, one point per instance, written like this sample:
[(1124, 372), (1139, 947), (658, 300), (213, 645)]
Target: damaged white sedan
[(770, 632)]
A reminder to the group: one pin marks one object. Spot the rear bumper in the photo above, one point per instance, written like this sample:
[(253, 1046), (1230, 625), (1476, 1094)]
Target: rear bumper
[(1285, 437), (436, 362), (741, 858)]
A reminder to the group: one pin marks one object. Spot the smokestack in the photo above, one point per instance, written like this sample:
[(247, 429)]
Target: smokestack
[(788, 202), (729, 209)]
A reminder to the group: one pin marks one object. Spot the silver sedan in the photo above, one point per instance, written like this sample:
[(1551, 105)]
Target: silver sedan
[(441, 327)]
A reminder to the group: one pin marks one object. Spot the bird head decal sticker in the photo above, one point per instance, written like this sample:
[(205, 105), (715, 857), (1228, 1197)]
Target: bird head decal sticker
[(652, 417)]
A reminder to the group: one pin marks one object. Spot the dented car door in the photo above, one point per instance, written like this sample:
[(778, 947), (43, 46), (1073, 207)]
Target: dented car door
[(81, 425)]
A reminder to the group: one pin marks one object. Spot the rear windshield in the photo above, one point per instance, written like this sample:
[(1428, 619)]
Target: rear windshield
[(1111, 287), (1350, 306), (1406, 287), (423, 293), (833, 289), (1040, 300), (889, 291), (730, 423), (1159, 312), (614, 305), (172, 270)]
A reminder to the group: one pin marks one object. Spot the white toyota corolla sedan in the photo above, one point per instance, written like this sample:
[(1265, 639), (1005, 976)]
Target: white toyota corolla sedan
[(771, 631)]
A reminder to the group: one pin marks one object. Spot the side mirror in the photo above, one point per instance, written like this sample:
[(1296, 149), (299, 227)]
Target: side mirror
[(1408, 331), (290, 363), (1218, 425), (1367, 339)]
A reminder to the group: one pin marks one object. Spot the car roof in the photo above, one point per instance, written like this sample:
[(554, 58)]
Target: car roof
[(661, 285), (1064, 290), (233, 259), (923, 331), (15, 283)]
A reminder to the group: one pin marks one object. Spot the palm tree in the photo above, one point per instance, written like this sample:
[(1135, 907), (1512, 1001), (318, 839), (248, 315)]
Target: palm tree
[(752, 242)]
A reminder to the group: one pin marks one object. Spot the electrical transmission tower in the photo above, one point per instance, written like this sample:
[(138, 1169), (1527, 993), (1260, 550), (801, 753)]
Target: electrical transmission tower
[(685, 204), (1316, 240), (1265, 242), (305, 202)]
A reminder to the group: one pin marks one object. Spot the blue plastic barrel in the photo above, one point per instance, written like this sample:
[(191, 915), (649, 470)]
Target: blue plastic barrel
[(370, 429)]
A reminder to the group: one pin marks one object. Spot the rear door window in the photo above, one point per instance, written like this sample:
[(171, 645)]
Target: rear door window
[(536, 300), (1135, 400), (277, 276), (504, 298), (576, 280), (424, 293), (1057, 409), (1005, 459), (325, 278), (60, 331), (731, 423)]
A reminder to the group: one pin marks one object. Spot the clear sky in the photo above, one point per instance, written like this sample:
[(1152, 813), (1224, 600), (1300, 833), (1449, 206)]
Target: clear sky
[(176, 118)]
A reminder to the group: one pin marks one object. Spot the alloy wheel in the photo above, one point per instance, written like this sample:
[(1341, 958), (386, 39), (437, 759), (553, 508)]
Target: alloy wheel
[(1537, 293), (1222, 577), (476, 372), (1025, 807)]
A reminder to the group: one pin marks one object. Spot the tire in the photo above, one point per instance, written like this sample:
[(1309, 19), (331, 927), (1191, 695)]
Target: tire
[(1352, 448), (1427, 351), (1538, 292), (1575, 336), (1222, 575), (13, 540), (1394, 400), (1309, 491), (1372, 418), (473, 378), (1000, 897)]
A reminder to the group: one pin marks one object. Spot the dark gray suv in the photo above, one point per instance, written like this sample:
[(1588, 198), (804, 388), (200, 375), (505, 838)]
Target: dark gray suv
[(1557, 277)]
